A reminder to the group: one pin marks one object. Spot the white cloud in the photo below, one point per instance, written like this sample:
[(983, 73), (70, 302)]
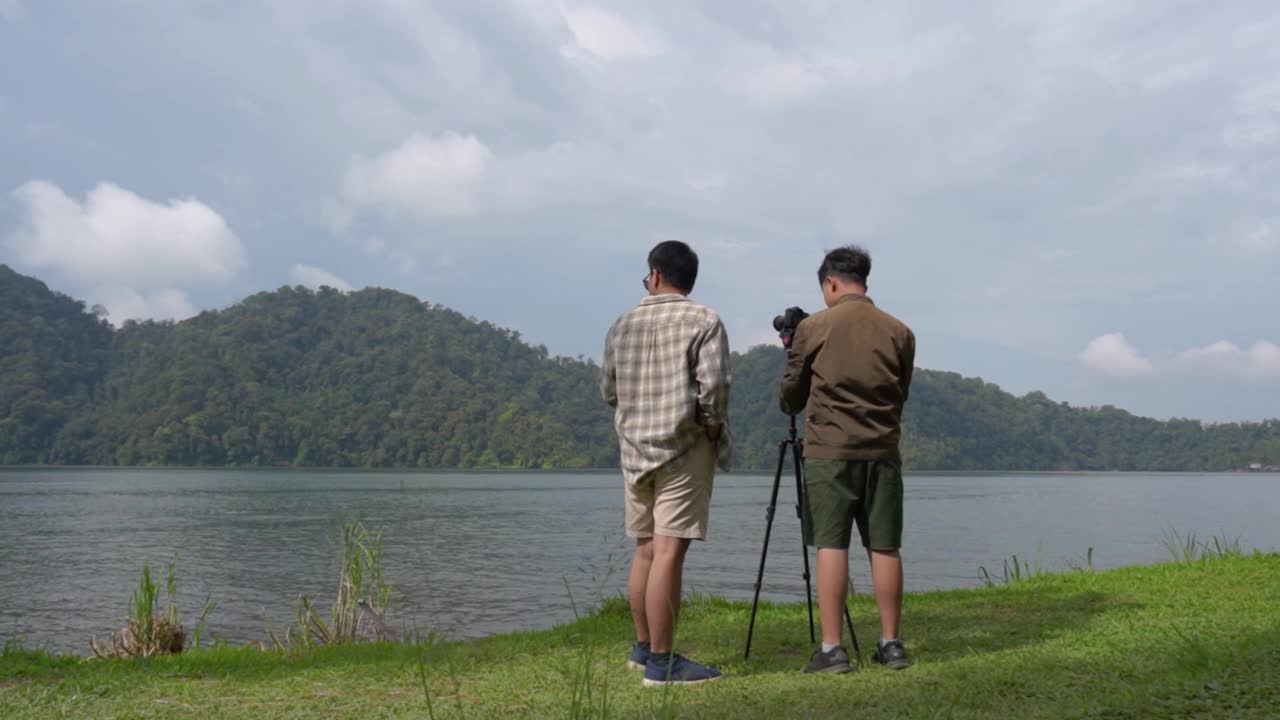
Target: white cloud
[(10, 10), (1261, 239), (1264, 359), (877, 57), (1257, 116), (124, 303), (1112, 354), (425, 178), (454, 177), (117, 238), (781, 81), (1211, 354), (1260, 361), (708, 182), (314, 277), (608, 36), (404, 262)]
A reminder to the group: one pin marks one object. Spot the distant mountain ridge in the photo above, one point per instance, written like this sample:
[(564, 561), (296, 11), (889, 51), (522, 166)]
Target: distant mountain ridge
[(376, 378)]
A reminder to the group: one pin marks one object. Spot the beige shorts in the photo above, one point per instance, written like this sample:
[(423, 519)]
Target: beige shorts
[(675, 499)]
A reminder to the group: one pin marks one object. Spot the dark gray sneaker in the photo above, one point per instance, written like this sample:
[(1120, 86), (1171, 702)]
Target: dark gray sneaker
[(639, 656), (836, 661), (892, 655), (673, 669)]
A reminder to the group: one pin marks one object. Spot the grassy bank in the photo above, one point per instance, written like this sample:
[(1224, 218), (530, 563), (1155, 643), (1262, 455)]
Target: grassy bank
[(1191, 639)]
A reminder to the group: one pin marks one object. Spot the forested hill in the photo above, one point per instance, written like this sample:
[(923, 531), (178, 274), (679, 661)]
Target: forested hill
[(376, 378), (292, 377), (957, 423)]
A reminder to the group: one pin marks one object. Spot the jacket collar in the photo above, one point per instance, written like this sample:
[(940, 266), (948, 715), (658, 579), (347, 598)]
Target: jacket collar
[(854, 297)]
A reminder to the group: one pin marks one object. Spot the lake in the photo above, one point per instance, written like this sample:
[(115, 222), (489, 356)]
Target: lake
[(472, 554)]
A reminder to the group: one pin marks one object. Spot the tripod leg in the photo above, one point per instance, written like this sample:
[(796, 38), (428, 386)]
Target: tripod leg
[(857, 651), (764, 552), (804, 549)]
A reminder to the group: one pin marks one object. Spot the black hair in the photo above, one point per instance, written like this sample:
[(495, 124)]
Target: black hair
[(851, 263), (677, 262)]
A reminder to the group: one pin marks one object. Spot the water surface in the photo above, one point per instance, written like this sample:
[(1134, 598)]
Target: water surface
[(480, 553)]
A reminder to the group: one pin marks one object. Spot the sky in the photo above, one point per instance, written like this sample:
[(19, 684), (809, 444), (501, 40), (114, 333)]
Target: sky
[(1075, 196)]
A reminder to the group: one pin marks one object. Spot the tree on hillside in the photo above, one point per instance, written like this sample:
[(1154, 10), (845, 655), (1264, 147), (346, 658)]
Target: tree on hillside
[(52, 355), (377, 378)]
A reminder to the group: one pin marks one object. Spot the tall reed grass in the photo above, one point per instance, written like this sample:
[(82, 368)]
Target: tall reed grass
[(149, 631), (1189, 548), (1015, 570), (360, 606)]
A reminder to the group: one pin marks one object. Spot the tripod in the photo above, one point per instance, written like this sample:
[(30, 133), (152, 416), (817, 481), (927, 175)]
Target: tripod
[(796, 446)]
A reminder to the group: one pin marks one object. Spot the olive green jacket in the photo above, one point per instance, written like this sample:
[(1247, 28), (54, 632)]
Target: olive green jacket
[(849, 369)]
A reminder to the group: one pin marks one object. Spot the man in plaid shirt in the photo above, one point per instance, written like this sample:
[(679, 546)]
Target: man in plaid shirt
[(666, 371)]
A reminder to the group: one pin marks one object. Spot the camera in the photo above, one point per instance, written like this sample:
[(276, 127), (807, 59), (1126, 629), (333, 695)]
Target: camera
[(787, 322)]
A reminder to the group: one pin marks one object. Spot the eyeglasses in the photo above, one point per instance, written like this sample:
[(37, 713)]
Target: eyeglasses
[(645, 281)]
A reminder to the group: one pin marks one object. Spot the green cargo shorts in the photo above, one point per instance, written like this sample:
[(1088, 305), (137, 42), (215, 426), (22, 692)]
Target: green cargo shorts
[(839, 493)]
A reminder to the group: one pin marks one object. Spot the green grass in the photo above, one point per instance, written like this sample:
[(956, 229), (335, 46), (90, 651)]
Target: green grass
[(1177, 640), (1016, 571), (1189, 548)]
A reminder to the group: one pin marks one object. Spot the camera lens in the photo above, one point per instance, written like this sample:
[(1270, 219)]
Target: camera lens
[(779, 322)]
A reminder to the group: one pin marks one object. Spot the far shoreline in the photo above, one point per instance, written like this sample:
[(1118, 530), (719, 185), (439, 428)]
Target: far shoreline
[(1269, 471)]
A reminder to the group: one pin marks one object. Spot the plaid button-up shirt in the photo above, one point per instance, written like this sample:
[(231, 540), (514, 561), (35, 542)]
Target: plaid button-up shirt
[(666, 371)]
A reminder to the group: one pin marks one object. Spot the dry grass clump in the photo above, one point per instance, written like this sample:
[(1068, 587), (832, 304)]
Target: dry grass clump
[(135, 640), (148, 632)]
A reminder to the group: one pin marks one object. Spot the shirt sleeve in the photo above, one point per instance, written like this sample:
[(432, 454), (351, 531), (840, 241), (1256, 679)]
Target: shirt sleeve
[(908, 360), (799, 373), (714, 375), (609, 370)]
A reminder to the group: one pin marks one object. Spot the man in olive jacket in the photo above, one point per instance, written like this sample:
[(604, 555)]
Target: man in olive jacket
[(849, 369)]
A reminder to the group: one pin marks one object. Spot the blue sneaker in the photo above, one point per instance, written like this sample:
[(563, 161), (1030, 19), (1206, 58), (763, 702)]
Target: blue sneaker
[(639, 656), (679, 670)]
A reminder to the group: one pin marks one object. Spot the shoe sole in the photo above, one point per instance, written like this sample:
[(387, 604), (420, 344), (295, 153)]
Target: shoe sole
[(663, 683), (833, 669), (633, 665)]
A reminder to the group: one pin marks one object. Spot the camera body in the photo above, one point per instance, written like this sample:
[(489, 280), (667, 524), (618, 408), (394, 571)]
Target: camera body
[(786, 324)]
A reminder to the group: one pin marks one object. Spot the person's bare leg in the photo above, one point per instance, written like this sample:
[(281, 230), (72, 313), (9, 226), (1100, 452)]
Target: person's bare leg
[(662, 595), (886, 578), (637, 584), (833, 580)]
